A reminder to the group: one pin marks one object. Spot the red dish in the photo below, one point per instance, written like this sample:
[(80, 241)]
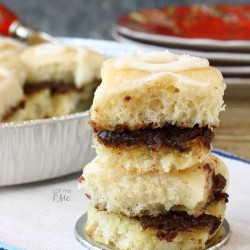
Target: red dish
[(218, 21)]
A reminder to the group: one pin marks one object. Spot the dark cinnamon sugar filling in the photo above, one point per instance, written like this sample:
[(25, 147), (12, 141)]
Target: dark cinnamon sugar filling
[(12, 110), (219, 183), (171, 223), (55, 87), (171, 136)]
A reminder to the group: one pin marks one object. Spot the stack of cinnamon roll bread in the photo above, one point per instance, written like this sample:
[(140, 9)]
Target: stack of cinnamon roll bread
[(154, 183)]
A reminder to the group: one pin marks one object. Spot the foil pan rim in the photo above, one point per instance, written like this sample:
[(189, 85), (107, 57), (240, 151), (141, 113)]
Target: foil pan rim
[(37, 122)]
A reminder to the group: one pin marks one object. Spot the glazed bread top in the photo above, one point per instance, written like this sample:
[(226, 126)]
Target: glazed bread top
[(155, 90), (61, 63)]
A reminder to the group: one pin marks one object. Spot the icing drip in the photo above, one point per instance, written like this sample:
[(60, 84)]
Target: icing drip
[(161, 62)]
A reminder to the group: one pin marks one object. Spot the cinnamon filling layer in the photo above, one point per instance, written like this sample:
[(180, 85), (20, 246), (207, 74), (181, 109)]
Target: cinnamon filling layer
[(12, 110), (219, 183), (55, 87), (171, 223), (171, 136)]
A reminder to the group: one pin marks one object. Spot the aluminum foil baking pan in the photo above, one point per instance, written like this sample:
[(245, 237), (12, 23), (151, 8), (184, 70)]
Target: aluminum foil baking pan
[(43, 149)]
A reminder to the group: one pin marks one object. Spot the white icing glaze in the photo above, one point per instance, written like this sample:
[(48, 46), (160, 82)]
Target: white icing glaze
[(161, 62), (180, 80)]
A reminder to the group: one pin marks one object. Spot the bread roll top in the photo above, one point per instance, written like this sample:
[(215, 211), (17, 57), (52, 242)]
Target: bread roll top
[(61, 63), (155, 90)]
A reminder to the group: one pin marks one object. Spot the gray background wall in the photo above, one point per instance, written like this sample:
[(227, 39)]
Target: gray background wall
[(83, 18)]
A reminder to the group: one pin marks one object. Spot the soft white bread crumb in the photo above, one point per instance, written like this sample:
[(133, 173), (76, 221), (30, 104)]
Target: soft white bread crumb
[(73, 101), (12, 78), (16, 67), (141, 160), (11, 93), (61, 63), (39, 105), (126, 233), (137, 98), (151, 193)]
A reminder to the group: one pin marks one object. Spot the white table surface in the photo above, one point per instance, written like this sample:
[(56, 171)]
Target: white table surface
[(31, 219)]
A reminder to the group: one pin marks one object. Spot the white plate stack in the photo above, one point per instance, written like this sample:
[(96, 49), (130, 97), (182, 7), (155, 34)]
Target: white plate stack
[(231, 57)]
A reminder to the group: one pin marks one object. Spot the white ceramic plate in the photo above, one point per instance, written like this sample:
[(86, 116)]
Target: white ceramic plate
[(108, 48), (235, 58), (235, 70), (237, 82), (199, 26), (233, 45)]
